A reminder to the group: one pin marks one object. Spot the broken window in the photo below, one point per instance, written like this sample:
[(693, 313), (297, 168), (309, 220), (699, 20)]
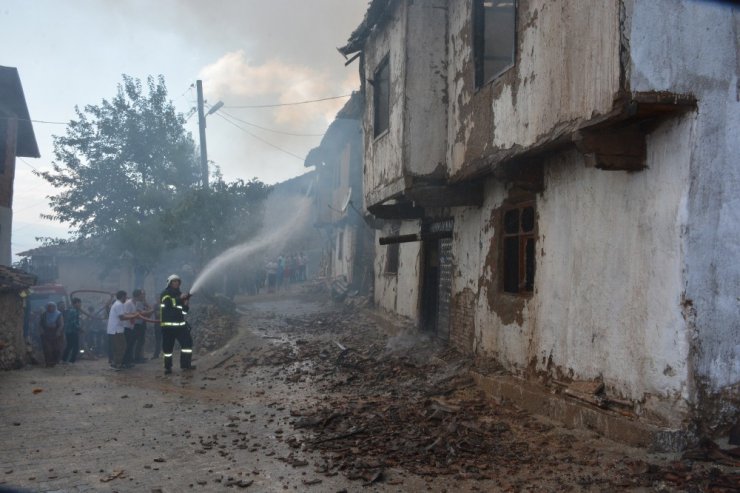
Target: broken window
[(381, 97), (494, 24), (519, 248)]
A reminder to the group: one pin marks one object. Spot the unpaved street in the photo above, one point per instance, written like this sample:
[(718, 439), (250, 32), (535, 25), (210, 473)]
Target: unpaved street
[(309, 396)]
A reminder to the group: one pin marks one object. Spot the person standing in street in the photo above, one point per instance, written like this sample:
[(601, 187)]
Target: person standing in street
[(174, 306), (129, 307), (52, 325), (144, 310), (72, 328), (116, 329)]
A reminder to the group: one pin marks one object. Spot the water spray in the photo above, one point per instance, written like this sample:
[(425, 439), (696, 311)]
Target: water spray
[(266, 239)]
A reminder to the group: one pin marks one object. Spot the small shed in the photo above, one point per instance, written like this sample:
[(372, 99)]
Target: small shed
[(13, 284)]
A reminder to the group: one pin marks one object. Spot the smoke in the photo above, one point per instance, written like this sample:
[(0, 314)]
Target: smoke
[(281, 225)]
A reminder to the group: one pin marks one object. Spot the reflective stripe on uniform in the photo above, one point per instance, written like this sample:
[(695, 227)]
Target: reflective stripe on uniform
[(186, 350), (167, 355), (172, 324)]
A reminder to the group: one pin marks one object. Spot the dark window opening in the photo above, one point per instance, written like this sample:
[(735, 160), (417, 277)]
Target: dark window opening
[(381, 98), (392, 253), (494, 24), (340, 245), (519, 249)]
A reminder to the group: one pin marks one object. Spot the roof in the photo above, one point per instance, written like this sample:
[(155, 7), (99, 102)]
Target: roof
[(76, 248), (15, 279), (346, 121), (376, 13), (13, 103)]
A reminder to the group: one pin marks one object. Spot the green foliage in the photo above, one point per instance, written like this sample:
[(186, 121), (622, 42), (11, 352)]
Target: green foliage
[(127, 157), (215, 219), (126, 174)]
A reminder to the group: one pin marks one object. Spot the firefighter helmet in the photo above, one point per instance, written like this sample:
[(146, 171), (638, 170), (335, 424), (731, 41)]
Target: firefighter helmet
[(173, 277)]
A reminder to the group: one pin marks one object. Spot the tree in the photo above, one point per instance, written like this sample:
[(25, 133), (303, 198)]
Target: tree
[(215, 219), (121, 161), (126, 173)]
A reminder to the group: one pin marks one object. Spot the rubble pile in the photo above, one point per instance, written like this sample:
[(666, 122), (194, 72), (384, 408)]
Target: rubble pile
[(213, 323), (407, 403)]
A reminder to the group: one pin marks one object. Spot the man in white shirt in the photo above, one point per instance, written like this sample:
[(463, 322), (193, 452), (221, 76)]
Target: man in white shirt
[(116, 337)]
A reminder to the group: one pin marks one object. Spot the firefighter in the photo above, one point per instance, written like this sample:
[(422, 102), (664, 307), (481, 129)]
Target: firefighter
[(173, 306)]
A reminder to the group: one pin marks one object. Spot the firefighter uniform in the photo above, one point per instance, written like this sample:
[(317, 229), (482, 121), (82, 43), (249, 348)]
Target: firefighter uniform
[(174, 327)]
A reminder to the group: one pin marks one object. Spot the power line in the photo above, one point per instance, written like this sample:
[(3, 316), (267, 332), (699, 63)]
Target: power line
[(34, 121), (29, 165), (289, 104), (267, 129), (260, 138)]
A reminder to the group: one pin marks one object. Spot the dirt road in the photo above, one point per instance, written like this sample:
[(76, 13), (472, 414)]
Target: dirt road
[(309, 396)]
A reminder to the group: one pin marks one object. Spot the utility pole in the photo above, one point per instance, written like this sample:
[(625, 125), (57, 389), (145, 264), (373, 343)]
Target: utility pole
[(202, 129)]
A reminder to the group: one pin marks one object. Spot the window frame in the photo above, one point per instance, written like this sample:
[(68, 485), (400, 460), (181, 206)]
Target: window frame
[(374, 82), (522, 237), (479, 31)]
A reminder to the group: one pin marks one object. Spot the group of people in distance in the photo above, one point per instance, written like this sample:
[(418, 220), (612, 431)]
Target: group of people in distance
[(126, 328), (284, 270)]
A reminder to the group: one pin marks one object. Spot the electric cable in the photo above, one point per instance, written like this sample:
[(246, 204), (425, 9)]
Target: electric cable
[(260, 138), (288, 104)]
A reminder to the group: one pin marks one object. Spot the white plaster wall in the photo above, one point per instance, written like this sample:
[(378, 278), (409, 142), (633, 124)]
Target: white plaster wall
[(384, 153), (426, 87), (609, 285), (694, 47), (609, 279), (567, 68), (342, 266), (399, 293), (6, 227)]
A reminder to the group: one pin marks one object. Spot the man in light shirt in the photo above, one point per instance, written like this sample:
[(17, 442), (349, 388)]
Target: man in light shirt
[(116, 337)]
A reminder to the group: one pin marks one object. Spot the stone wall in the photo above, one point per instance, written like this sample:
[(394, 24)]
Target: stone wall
[(12, 346)]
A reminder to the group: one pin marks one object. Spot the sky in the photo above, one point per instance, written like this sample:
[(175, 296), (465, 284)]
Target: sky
[(246, 52)]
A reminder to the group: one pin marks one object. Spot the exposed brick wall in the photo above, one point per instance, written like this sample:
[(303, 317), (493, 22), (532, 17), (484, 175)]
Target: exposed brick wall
[(462, 321)]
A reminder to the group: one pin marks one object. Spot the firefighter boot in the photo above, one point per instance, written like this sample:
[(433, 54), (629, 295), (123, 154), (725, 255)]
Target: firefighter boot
[(186, 356), (167, 363)]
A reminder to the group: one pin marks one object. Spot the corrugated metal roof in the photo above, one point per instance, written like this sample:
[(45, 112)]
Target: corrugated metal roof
[(13, 103), (15, 279)]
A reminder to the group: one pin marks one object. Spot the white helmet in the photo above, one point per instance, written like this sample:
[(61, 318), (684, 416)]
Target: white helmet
[(173, 277)]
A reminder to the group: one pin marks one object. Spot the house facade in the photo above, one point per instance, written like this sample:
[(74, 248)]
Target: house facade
[(557, 186), (349, 251), (17, 139)]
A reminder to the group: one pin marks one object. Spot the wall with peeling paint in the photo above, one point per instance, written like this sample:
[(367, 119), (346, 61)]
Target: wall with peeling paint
[(385, 175), (694, 47), (562, 74), (608, 286), (415, 145)]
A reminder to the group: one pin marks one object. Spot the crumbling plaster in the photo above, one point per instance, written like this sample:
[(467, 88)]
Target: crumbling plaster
[(694, 47), (560, 75), (383, 173), (608, 287)]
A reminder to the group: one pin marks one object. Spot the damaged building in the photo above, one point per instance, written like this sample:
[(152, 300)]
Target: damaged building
[(557, 190), (348, 256)]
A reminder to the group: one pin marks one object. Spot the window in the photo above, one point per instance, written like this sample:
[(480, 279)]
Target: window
[(381, 98), (494, 23), (340, 245), (519, 249)]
